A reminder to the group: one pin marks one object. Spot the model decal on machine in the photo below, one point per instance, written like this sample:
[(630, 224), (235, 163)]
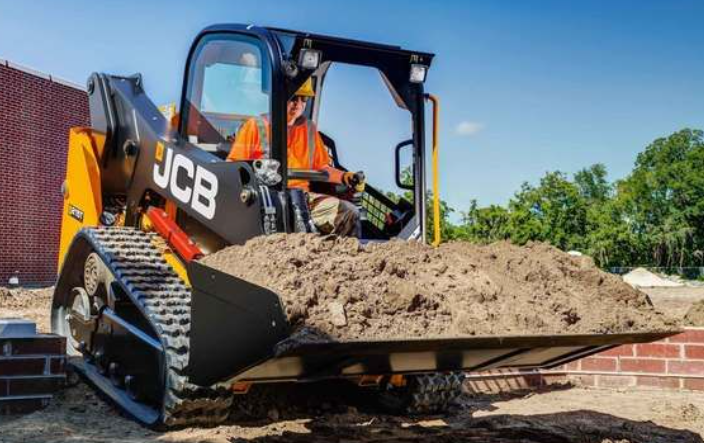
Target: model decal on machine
[(189, 183), (76, 213)]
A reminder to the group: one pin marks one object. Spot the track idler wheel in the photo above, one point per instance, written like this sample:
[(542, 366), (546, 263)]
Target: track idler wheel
[(94, 275), (78, 306)]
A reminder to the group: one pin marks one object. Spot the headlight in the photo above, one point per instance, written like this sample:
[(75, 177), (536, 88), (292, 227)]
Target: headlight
[(418, 73), (309, 58)]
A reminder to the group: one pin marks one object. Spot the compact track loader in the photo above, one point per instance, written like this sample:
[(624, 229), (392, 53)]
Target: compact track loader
[(170, 340)]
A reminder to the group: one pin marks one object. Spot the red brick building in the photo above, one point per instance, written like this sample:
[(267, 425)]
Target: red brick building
[(36, 112)]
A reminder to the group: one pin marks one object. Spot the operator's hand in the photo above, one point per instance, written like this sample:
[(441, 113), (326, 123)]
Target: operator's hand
[(352, 179)]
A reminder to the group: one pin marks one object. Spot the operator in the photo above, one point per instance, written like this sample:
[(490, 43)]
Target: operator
[(306, 150)]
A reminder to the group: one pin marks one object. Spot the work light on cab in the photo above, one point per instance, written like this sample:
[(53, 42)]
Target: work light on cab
[(418, 73), (309, 58)]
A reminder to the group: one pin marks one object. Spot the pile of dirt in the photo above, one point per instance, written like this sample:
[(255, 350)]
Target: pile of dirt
[(695, 315), (31, 304), (642, 278), (337, 288)]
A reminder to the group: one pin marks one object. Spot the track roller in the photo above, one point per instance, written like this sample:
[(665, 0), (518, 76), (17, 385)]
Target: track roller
[(422, 394)]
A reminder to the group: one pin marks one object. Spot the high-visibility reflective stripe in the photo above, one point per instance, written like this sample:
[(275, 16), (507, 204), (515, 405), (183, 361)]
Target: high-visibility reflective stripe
[(263, 137), (310, 129)]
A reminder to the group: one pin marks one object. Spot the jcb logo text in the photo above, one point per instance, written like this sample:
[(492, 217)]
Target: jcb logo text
[(187, 182)]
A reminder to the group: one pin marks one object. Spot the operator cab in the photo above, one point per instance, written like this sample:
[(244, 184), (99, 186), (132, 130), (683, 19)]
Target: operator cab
[(235, 73)]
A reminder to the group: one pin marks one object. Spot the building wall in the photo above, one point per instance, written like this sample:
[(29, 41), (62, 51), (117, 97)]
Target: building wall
[(36, 112)]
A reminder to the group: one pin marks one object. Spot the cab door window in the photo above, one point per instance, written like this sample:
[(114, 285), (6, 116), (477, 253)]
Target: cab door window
[(229, 83)]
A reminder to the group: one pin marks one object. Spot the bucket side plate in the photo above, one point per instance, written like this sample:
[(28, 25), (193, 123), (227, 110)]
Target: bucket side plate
[(234, 324)]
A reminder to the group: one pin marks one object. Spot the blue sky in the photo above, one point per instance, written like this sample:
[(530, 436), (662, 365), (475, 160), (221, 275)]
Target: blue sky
[(526, 86)]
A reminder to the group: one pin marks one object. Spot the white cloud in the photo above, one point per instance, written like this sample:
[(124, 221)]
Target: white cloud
[(467, 128)]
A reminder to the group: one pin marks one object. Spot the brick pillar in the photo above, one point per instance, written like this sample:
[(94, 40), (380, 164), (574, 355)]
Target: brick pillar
[(31, 369)]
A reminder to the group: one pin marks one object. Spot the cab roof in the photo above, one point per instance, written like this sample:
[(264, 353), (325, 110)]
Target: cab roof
[(422, 57)]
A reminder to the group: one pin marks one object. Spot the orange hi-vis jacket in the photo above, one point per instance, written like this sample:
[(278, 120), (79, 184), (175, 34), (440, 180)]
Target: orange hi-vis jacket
[(252, 143)]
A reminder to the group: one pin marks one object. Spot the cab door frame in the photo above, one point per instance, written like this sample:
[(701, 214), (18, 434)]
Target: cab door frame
[(277, 101)]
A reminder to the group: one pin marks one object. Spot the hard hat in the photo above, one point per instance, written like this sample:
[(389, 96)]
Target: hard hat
[(306, 89)]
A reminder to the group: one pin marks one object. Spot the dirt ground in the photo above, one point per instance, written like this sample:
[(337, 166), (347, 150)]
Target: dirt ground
[(695, 315), (559, 416), (675, 301), (31, 304)]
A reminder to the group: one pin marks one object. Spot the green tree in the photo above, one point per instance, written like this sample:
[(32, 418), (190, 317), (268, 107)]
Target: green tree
[(593, 184), (484, 225), (664, 198), (609, 238), (554, 211)]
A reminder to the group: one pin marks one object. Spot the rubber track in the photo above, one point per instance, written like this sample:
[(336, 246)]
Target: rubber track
[(434, 393), (166, 301)]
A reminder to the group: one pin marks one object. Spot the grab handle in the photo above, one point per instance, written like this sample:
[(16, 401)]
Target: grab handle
[(436, 192)]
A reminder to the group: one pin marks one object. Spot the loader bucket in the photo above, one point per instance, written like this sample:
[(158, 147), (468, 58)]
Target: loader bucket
[(236, 327)]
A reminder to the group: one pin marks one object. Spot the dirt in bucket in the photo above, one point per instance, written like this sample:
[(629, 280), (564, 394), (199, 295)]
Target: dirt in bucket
[(337, 288)]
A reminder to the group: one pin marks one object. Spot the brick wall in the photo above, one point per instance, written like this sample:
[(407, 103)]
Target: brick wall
[(32, 368), (36, 112), (676, 363)]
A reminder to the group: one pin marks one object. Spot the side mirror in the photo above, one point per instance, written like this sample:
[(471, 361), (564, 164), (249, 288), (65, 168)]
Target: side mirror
[(404, 165)]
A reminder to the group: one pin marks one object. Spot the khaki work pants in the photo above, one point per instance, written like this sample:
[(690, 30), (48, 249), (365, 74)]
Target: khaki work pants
[(334, 216)]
